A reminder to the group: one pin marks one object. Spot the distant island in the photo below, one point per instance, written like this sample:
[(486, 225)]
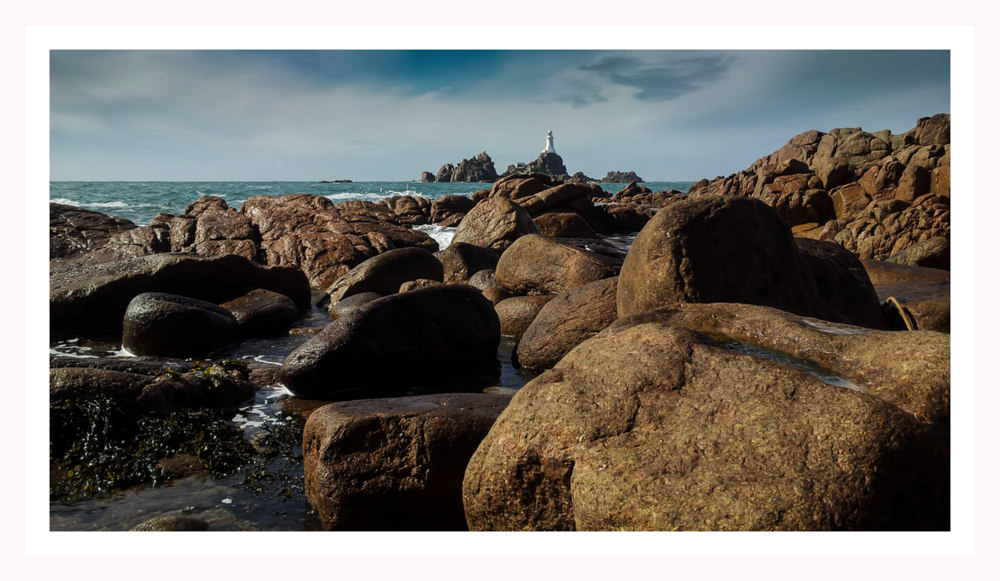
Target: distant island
[(481, 169), (337, 182)]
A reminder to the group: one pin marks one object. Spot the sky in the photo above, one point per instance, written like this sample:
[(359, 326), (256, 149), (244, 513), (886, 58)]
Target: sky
[(294, 115)]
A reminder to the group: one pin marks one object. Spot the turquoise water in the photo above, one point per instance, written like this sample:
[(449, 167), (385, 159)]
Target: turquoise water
[(141, 201)]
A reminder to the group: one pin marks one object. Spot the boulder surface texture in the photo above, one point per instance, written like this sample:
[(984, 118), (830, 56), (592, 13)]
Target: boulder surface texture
[(653, 425)]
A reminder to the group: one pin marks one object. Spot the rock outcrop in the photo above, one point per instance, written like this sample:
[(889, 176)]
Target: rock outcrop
[(876, 194), (621, 177), (324, 239), (477, 169), (494, 223), (75, 230)]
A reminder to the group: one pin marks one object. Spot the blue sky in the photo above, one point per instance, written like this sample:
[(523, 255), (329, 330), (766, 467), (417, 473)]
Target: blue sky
[(389, 115)]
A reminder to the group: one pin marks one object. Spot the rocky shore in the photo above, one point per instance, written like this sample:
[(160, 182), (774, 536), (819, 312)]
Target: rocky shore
[(771, 352)]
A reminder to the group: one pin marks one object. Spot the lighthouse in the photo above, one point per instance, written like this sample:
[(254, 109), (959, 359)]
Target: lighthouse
[(549, 147)]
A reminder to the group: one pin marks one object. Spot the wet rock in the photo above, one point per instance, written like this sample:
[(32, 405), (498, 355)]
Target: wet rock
[(516, 313), (394, 464), (566, 321), (263, 313), (172, 523), (385, 272), (461, 260), (714, 249), (494, 223), (90, 301), (652, 425), (535, 264), (174, 326), (447, 331)]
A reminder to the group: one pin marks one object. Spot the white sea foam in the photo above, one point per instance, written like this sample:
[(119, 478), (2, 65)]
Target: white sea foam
[(69, 202), (443, 234)]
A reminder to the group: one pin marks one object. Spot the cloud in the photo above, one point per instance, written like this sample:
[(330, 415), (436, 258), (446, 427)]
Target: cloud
[(664, 79)]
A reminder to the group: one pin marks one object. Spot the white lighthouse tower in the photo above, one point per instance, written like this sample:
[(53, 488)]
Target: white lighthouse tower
[(549, 147)]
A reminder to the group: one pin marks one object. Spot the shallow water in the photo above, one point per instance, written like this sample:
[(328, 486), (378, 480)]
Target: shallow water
[(231, 503)]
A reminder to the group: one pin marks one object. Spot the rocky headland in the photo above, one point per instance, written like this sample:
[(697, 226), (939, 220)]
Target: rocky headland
[(771, 352)]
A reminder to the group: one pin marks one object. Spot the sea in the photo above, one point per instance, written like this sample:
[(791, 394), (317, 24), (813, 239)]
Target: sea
[(227, 503)]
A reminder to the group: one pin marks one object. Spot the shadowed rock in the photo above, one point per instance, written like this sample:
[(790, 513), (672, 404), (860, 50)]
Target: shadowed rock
[(447, 331)]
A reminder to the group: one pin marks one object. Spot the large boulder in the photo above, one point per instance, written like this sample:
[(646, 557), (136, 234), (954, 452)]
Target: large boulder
[(431, 334), (394, 464), (90, 301), (263, 313), (652, 425), (536, 264), (174, 326), (462, 260), (494, 223), (715, 249), (384, 273), (566, 321)]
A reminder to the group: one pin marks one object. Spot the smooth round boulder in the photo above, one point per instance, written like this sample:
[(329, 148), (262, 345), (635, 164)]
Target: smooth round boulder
[(462, 260), (566, 321), (536, 264), (517, 313), (431, 334), (738, 250), (171, 523), (494, 223), (174, 326), (384, 273), (263, 313)]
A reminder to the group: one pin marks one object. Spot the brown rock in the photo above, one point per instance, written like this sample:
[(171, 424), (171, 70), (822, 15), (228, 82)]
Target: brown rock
[(711, 249), (393, 343), (384, 273), (449, 210), (263, 313), (91, 301), (494, 223), (535, 264), (462, 260), (74, 230), (653, 426), (394, 464), (517, 313), (564, 225), (566, 321)]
